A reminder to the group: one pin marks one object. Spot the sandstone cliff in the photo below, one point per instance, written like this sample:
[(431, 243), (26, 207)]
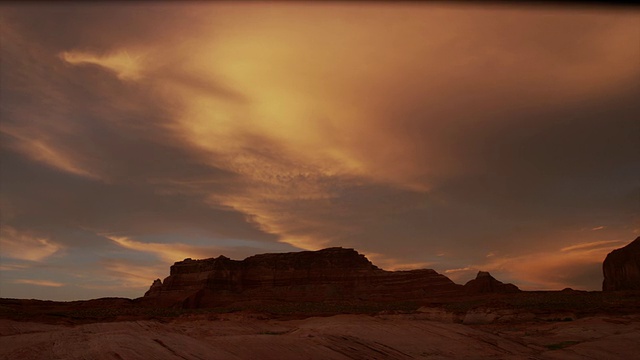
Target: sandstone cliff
[(485, 283), (621, 268), (329, 274)]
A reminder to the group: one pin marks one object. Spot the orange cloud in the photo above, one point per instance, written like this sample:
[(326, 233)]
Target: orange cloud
[(461, 275), (129, 275), (38, 282), (298, 102), (41, 148), (388, 263), (552, 270), (307, 115), (167, 252), (23, 246), (125, 65), (12, 267), (593, 245)]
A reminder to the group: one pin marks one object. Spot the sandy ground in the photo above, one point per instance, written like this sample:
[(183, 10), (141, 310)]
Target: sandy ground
[(248, 336)]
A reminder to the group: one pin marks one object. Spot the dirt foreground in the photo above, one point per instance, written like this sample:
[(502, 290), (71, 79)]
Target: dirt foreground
[(253, 336)]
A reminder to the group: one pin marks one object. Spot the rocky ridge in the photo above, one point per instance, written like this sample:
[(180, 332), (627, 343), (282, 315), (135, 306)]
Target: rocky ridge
[(621, 268), (308, 276)]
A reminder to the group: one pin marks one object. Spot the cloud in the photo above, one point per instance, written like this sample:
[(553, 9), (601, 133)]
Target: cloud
[(595, 245), (128, 275), (126, 66), (167, 252), (390, 264), (12, 267), (577, 266), (40, 150), (451, 271), (19, 245), (461, 275), (45, 283), (417, 136), (408, 131)]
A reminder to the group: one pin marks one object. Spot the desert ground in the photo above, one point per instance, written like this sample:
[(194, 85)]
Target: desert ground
[(425, 333)]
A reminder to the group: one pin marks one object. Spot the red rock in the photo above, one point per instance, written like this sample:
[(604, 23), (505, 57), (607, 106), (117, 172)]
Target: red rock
[(307, 276), (155, 288), (621, 268), (485, 283)]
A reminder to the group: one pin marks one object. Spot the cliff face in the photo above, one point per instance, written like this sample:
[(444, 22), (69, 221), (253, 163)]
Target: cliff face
[(621, 268), (329, 274), (485, 283)]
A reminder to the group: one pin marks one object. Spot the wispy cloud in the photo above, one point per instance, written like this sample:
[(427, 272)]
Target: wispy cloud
[(595, 245), (388, 263), (451, 271), (12, 267), (123, 63), (578, 266), (20, 245), (42, 148), (461, 275), (45, 283), (130, 275), (167, 252)]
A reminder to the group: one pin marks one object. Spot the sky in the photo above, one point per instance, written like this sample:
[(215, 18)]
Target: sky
[(453, 137)]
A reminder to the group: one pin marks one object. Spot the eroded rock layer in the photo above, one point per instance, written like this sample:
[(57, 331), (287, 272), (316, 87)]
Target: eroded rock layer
[(329, 274), (621, 268)]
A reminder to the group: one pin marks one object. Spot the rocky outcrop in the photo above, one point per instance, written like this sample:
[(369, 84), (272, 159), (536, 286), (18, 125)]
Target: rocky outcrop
[(485, 283), (621, 268), (307, 276), (155, 288)]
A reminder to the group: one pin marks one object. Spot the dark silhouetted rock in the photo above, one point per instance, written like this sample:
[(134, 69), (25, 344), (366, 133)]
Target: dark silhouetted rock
[(307, 276), (155, 288), (572, 291), (621, 268), (484, 283)]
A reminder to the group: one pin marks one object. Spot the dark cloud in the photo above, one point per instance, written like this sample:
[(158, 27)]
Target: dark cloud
[(96, 26), (46, 199)]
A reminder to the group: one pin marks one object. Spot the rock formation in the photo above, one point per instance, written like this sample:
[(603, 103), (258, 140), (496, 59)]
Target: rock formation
[(621, 268), (155, 288), (485, 283), (307, 276)]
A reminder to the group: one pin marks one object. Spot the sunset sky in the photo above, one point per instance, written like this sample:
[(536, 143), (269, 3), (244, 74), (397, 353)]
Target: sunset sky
[(453, 137)]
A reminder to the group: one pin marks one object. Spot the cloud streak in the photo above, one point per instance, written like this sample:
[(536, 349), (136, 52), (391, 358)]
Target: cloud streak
[(573, 266), (167, 252), (125, 66), (45, 283), (19, 245)]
